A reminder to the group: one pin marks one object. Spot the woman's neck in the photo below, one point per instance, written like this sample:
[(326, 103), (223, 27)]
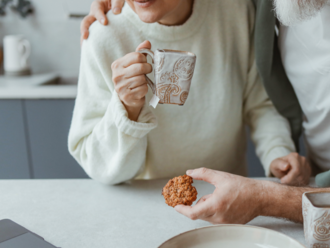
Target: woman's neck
[(180, 15)]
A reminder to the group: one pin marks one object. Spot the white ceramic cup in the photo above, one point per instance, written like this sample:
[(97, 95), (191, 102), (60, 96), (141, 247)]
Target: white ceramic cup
[(17, 51), (316, 213)]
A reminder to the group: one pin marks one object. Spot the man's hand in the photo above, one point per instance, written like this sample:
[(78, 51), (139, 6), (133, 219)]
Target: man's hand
[(292, 169), (235, 200), (98, 12), (238, 200)]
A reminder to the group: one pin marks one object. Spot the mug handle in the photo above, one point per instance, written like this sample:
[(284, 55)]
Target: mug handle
[(27, 51), (149, 81)]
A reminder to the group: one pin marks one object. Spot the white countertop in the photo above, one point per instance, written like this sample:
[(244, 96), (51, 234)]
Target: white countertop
[(85, 214), (40, 92), (38, 86)]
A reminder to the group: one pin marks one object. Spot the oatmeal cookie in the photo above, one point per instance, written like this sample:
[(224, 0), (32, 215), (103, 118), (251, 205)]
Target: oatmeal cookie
[(179, 191)]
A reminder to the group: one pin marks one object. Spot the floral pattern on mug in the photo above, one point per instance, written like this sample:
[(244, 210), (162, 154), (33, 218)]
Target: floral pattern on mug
[(322, 227), (184, 68), (165, 92), (321, 246), (159, 62), (316, 220), (180, 75), (173, 72), (168, 78)]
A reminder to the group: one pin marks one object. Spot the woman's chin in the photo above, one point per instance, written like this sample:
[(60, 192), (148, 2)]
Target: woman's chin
[(149, 18)]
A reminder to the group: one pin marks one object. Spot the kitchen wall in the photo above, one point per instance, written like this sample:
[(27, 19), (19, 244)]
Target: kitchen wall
[(55, 38)]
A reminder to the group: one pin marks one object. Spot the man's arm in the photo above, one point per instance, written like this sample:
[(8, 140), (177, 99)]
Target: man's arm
[(99, 8), (284, 201), (238, 200)]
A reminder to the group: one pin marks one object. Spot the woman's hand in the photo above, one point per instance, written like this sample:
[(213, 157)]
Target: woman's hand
[(98, 11), (130, 80)]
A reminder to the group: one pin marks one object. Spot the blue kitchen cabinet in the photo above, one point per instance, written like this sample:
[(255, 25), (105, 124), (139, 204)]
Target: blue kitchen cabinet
[(48, 123), (255, 168), (14, 156), (33, 141)]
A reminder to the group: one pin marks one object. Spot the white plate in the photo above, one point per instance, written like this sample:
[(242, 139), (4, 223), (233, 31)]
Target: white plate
[(231, 236)]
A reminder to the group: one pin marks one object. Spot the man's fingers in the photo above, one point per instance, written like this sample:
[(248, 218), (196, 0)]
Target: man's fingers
[(84, 26), (199, 211), (144, 45), (99, 10), (204, 198), (101, 16), (117, 6), (207, 175)]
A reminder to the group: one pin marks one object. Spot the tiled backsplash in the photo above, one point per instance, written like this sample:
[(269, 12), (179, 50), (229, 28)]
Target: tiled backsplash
[(55, 38)]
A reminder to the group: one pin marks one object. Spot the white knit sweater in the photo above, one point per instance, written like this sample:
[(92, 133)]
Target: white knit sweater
[(209, 130)]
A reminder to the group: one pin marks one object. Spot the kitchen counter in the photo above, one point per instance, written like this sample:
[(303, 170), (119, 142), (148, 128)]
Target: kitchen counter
[(42, 86), (83, 213)]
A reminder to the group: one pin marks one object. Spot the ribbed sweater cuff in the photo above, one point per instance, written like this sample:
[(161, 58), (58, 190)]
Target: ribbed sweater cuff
[(145, 123), (274, 153)]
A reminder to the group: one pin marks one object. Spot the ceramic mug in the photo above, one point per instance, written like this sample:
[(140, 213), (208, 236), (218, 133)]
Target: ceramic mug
[(316, 213), (16, 54), (173, 72)]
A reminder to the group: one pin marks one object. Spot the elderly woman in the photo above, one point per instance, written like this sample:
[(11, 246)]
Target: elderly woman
[(116, 137)]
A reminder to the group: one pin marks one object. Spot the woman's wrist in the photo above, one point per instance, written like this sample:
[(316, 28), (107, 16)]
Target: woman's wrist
[(133, 112)]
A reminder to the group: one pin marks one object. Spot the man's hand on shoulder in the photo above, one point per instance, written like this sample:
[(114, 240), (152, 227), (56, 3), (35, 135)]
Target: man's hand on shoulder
[(98, 11), (292, 169)]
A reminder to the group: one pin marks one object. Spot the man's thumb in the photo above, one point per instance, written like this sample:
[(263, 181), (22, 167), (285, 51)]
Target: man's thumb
[(144, 45), (204, 174)]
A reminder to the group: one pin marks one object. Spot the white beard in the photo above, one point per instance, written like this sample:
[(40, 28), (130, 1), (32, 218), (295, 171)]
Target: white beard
[(292, 12)]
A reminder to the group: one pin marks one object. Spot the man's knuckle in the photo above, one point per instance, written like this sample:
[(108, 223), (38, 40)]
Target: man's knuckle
[(193, 216), (203, 170)]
